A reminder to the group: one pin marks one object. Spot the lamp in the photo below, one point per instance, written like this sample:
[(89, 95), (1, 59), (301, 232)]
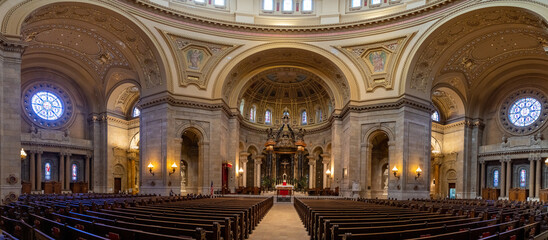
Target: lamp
[(395, 171), (241, 170), (173, 167), (150, 167), (546, 161), (23, 154), (328, 172), (418, 171)]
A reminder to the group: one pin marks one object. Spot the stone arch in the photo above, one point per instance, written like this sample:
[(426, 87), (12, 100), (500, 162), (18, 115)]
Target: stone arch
[(417, 76), (376, 130), (193, 127), (377, 163), (194, 155), (119, 172), (450, 178), (149, 66), (231, 81)]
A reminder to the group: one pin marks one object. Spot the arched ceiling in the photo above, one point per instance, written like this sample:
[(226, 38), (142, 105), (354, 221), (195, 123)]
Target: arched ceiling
[(476, 44), (122, 99), (285, 85), (97, 39), (311, 64)]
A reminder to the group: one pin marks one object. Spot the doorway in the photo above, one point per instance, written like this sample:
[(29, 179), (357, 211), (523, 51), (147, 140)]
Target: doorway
[(117, 185), (452, 191)]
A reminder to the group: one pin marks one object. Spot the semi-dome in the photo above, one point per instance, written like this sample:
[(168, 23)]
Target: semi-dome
[(285, 90)]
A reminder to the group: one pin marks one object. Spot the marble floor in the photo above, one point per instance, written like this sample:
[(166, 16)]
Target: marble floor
[(281, 222)]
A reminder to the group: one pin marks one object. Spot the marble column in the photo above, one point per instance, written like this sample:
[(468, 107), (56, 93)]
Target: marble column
[(508, 176), (86, 168), (531, 178), (502, 178), (258, 162), (62, 170), (243, 165), (326, 177), (32, 170), (311, 168), (39, 171), (538, 178), (482, 175)]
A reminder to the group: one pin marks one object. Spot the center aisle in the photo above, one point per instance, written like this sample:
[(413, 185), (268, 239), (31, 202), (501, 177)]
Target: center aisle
[(281, 222)]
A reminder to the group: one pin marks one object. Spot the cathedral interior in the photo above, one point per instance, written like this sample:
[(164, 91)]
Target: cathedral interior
[(374, 99)]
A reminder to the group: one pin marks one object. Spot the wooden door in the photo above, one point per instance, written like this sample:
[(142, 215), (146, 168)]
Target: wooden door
[(117, 185)]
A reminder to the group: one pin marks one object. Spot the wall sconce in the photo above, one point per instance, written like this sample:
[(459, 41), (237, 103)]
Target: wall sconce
[(173, 167), (241, 171), (418, 171), (395, 172), (328, 172), (345, 172), (150, 167), (546, 161), (23, 154)]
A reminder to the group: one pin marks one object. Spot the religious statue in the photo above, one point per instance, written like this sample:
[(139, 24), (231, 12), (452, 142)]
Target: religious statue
[(385, 178)]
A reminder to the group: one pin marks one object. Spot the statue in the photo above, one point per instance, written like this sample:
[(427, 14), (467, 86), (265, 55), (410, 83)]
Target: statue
[(504, 142), (300, 134), (385, 178), (270, 134)]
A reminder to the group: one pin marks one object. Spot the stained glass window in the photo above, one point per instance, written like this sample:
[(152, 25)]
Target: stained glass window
[(47, 105), (47, 170), (524, 112), (496, 178), (242, 103), (268, 117), (136, 112), (252, 112), (376, 2), (304, 118), (436, 116), (356, 3), (287, 5), (522, 178), (307, 5), (268, 5), (74, 172)]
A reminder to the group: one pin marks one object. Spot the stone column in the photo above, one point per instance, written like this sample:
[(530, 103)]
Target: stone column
[(11, 49), (68, 172), (40, 169), (538, 178), (98, 124), (508, 176), (436, 175), (258, 162), (502, 178), (62, 169), (32, 170), (311, 169), (531, 178), (243, 165), (482, 175)]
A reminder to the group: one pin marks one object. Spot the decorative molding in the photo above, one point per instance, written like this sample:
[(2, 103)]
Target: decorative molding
[(8, 45), (196, 59), (377, 61)]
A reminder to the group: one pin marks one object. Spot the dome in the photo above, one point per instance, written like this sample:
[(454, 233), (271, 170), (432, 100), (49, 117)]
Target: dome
[(286, 90)]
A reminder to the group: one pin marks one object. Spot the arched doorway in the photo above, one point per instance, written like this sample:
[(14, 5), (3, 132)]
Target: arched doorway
[(379, 164), (191, 159)]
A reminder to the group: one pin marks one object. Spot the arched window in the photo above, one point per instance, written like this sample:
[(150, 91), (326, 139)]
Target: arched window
[(496, 177), (356, 3), (436, 116), (304, 118), (268, 117), (376, 2), (136, 112), (220, 3), (287, 6), (252, 112), (74, 172), (319, 116), (286, 113), (268, 5), (522, 177), (307, 5), (242, 103), (47, 171)]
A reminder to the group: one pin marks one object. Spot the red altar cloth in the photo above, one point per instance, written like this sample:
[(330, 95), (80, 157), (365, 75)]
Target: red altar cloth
[(284, 192)]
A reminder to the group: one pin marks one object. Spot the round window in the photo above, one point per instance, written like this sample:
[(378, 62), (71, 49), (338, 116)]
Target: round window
[(47, 105), (524, 111)]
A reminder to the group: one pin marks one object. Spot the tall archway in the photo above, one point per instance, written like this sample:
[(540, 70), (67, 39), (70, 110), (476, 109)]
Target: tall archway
[(191, 158), (379, 164)]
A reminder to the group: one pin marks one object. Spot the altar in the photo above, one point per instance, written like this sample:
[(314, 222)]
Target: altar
[(284, 192)]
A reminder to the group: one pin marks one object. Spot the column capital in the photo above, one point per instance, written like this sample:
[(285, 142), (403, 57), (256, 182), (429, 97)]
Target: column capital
[(326, 161), (481, 161), (10, 43), (326, 156), (311, 163)]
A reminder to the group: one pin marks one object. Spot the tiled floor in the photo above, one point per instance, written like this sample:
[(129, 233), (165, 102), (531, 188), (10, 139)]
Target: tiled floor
[(281, 222)]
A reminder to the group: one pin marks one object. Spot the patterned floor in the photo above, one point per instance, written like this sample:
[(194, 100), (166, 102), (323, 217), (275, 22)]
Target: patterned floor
[(281, 222)]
